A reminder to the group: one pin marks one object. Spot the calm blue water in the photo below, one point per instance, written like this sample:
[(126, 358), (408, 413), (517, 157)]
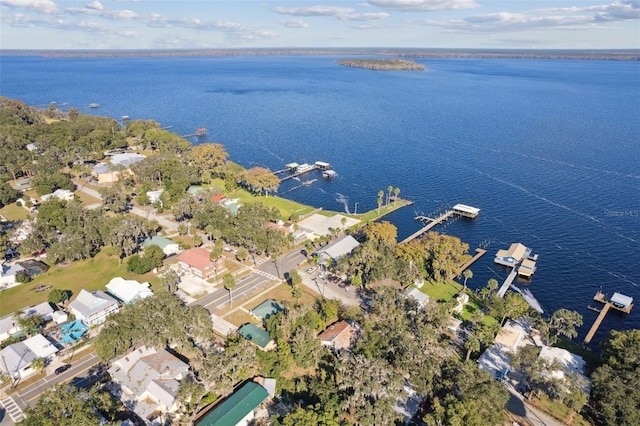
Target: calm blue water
[(549, 150)]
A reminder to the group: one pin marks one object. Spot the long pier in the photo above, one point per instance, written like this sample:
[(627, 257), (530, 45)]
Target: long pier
[(507, 283), (296, 174), (432, 223), (600, 297), (479, 253)]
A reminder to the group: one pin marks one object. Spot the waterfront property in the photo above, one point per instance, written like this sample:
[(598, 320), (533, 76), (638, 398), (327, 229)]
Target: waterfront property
[(459, 210), (466, 211), (336, 249), (618, 302), (512, 256), (518, 257), (147, 381), (92, 308)]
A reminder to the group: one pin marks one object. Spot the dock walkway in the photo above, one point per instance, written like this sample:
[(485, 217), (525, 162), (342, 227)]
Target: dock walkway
[(507, 283), (479, 253), (596, 324), (296, 174), (430, 225), (608, 304)]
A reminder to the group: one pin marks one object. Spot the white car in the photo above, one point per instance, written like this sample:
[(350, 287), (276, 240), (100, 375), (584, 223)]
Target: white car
[(311, 270)]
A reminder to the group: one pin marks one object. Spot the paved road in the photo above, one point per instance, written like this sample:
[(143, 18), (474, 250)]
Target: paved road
[(518, 406), (219, 299), (82, 373)]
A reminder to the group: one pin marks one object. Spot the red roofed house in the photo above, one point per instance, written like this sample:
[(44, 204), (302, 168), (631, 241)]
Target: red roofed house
[(341, 335), (196, 261)]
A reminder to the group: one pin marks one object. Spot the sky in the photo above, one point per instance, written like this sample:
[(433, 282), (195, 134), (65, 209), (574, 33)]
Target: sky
[(212, 24)]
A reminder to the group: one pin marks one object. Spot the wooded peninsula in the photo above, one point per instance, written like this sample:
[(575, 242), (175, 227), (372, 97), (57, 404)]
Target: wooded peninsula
[(382, 64)]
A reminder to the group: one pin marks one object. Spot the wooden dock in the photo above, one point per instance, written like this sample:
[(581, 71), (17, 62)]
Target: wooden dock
[(432, 223), (296, 174), (507, 283), (600, 297), (479, 253)]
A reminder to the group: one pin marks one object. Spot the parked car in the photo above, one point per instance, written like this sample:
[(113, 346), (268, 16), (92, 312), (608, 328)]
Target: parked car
[(62, 368), (311, 270)]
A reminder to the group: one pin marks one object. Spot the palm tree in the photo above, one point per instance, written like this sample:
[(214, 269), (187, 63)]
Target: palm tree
[(396, 191), (229, 284), (380, 195), (472, 344), (492, 285), (38, 364), (467, 274), (389, 189)]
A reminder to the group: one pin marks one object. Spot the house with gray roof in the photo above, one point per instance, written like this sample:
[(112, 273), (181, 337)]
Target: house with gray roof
[(43, 309), (8, 275), (16, 359), (147, 381), (9, 327), (335, 250), (168, 247), (93, 307), (119, 166)]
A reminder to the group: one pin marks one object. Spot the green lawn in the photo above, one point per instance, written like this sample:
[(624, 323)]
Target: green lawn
[(92, 274), (443, 292), (13, 212), (560, 411)]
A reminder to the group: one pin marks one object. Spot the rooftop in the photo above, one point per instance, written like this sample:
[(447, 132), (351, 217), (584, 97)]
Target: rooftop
[(256, 335), (128, 290), (340, 335), (157, 240), (196, 257), (621, 299), (266, 309), (236, 407), (340, 247), (88, 303)]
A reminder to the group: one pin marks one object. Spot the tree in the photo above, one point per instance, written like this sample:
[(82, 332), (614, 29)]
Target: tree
[(492, 285), (7, 194), (389, 190), (384, 231), (67, 405), (114, 198), (39, 364), (396, 191), (30, 324), (467, 275), (229, 284), (380, 195), (295, 278), (472, 344), (564, 322), (171, 280), (210, 160), (445, 255), (616, 382), (58, 296)]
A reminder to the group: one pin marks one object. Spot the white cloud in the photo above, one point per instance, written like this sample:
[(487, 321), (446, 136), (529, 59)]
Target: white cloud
[(424, 5), (314, 11), (363, 16), (96, 5), (294, 23), (42, 6)]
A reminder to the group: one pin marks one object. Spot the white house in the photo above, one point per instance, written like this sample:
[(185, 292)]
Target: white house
[(128, 290), (148, 379), (419, 296), (93, 307), (154, 196), (43, 309), (8, 327), (60, 194), (17, 358), (8, 275)]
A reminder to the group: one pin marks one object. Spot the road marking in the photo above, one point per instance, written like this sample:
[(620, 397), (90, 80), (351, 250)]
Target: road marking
[(12, 408)]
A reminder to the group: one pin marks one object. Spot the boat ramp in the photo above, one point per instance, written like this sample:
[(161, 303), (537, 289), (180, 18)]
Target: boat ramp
[(459, 210)]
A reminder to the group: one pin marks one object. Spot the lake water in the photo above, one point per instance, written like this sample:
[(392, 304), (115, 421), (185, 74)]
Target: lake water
[(548, 150)]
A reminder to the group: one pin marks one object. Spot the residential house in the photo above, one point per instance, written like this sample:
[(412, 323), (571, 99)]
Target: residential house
[(9, 327), (513, 335), (196, 261), (168, 247), (336, 249), (60, 194), (570, 364), (43, 309), (419, 296), (120, 166), (154, 196), (17, 358), (9, 275), (148, 381), (514, 254), (340, 336), (128, 291), (258, 337), (92, 308), (241, 407)]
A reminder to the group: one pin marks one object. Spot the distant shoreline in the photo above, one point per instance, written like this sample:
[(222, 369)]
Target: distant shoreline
[(608, 54)]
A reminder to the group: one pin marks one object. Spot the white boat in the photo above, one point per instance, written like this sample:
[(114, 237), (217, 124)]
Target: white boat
[(94, 105)]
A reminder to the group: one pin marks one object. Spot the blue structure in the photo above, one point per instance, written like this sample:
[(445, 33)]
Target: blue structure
[(72, 332)]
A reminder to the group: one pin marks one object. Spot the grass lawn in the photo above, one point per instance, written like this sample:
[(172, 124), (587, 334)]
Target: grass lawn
[(384, 210), (12, 212), (560, 411), (441, 292), (240, 317), (92, 274)]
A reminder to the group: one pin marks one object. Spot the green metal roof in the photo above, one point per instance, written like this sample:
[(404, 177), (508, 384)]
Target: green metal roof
[(157, 241), (236, 407), (255, 335), (266, 309)]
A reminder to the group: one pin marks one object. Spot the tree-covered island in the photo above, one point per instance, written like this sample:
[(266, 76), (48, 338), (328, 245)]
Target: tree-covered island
[(382, 64)]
